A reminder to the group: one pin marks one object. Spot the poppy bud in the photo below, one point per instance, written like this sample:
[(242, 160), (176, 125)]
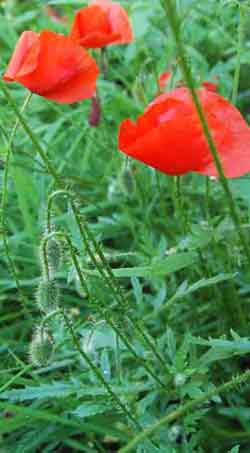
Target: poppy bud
[(95, 112), (54, 253), (41, 347), (47, 296)]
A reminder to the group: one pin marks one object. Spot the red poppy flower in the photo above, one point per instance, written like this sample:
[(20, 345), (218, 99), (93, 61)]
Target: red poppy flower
[(101, 23), (53, 66), (168, 135)]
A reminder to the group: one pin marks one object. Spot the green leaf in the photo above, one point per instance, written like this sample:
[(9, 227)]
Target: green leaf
[(159, 268), (89, 409), (56, 390)]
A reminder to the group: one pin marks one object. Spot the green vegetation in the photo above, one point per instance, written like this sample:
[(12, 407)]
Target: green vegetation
[(124, 292)]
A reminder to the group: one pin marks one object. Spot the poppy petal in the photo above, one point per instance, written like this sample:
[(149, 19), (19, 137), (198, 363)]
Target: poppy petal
[(120, 24), (81, 86), (91, 27), (169, 136), (26, 41), (101, 23), (57, 68)]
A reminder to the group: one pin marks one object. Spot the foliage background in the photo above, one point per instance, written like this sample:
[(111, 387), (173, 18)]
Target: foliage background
[(181, 267)]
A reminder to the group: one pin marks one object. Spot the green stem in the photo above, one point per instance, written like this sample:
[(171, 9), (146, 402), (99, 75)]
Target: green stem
[(207, 197), (48, 317), (85, 289), (184, 409), (30, 134), (85, 233), (14, 378), (187, 76), (74, 337), (55, 194), (239, 52), (98, 373), (4, 201), (45, 259)]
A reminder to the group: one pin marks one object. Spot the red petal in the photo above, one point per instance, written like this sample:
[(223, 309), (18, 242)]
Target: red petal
[(81, 86), (169, 137), (97, 40), (92, 28), (100, 24), (27, 40), (62, 70), (120, 24)]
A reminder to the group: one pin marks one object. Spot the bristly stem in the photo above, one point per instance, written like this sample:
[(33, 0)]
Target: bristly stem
[(239, 52), (98, 373), (86, 234), (109, 321), (75, 340), (187, 76)]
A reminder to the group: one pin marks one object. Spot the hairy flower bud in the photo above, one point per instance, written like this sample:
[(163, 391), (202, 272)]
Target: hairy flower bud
[(54, 254), (41, 347), (47, 296)]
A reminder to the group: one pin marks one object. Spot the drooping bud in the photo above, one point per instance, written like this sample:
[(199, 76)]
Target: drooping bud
[(41, 347), (95, 112), (47, 295)]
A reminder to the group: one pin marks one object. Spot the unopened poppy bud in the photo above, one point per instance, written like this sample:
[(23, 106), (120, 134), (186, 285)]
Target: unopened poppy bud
[(175, 434), (95, 112), (180, 379), (47, 296), (41, 347), (54, 253)]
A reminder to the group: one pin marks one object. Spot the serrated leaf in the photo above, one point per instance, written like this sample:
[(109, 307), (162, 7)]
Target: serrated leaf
[(56, 390)]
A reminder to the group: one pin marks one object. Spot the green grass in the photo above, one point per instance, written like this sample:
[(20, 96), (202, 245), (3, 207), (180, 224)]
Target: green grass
[(151, 344)]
